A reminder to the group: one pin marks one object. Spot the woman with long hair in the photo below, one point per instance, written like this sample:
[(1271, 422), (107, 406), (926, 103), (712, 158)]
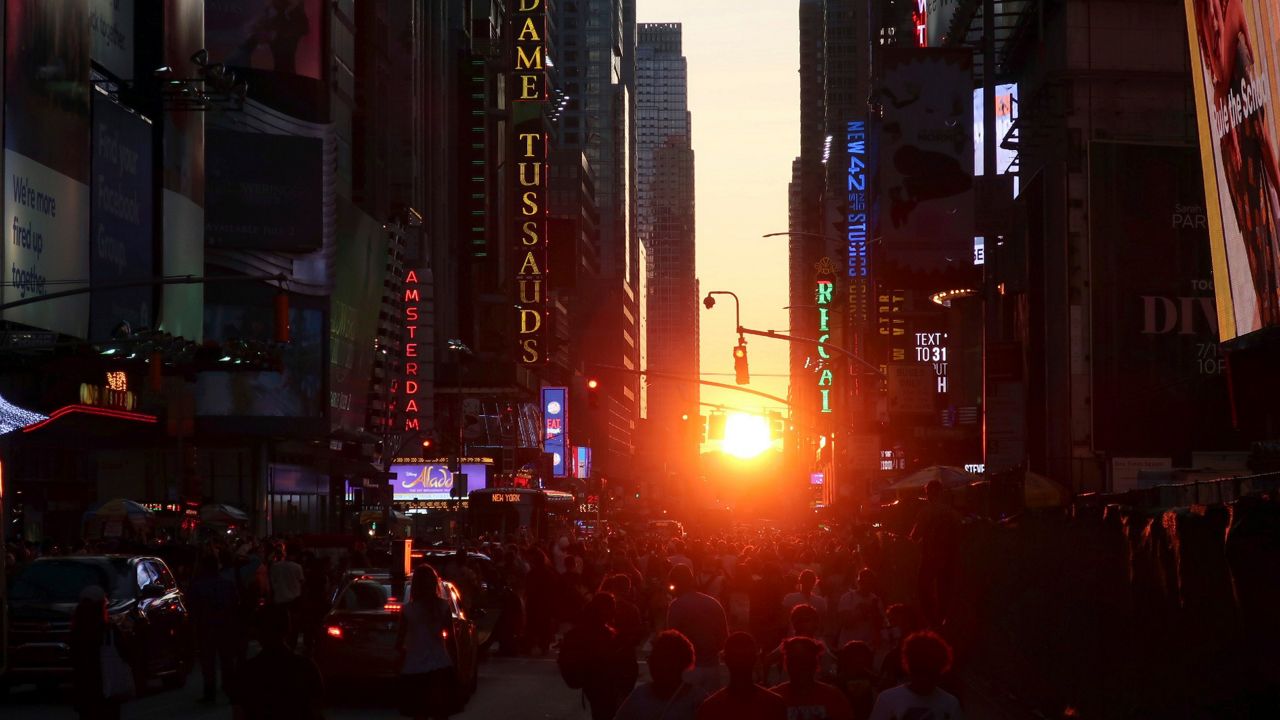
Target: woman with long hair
[(427, 674)]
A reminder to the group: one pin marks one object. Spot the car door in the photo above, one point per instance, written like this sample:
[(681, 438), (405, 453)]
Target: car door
[(464, 636)]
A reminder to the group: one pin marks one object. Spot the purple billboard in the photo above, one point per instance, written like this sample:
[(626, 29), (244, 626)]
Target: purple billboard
[(432, 481)]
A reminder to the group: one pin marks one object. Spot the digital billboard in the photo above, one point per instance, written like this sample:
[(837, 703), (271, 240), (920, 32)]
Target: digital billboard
[(359, 274), (555, 435), (433, 481), (1235, 45), (283, 36), (46, 162), (1006, 105), (182, 212), (1159, 381), (263, 192), (121, 239), (925, 167), (111, 29)]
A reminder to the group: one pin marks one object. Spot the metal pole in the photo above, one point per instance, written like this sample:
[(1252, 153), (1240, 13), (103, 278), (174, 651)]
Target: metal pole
[(989, 90)]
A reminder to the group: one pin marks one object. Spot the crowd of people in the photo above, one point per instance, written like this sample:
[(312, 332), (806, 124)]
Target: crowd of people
[(750, 624)]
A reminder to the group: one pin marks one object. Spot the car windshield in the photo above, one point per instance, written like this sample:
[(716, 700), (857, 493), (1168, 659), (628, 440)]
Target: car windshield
[(61, 581), (366, 595)]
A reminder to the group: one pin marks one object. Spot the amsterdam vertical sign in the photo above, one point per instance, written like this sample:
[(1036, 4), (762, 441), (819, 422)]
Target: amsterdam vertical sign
[(529, 148)]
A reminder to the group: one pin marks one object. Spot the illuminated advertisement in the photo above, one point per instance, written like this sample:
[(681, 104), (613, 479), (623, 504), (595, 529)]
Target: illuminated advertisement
[(1006, 113), (1160, 386), (46, 162), (823, 296), (555, 428), (920, 19), (530, 149), (583, 464), (432, 480), (925, 167), (121, 241), (359, 276), (284, 36), (411, 393), (1235, 45), (264, 191), (182, 223), (111, 30), (856, 220)]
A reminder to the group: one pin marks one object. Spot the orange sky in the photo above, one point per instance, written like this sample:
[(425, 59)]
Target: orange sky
[(744, 95)]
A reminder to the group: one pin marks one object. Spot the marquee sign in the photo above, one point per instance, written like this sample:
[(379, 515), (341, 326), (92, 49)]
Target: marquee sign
[(823, 295), (413, 391), (529, 148)]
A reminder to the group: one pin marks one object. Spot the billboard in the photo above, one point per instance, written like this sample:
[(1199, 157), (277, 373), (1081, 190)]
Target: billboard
[(1006, 112), (432, 481), (111, 30), (121, 239), (1159, 385), (555, 424), (182, 200), (925, 168), (263, 192), (283, 36), (46, 168), (1234, 46), (242, 311), (359, 273)]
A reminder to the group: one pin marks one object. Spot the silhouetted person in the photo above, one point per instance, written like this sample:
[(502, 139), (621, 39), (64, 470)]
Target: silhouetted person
[(700, 618), (541, 587), (594, 660), (805, 696), (666, 696), (743, 699), (214, 600), (277, 682), (89, 629), (937, 529), (428, 678), (927, 658), (856, 677)]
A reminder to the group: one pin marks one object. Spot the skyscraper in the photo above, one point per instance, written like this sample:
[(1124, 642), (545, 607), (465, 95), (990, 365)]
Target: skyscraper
[(665, 218), (594, 55)]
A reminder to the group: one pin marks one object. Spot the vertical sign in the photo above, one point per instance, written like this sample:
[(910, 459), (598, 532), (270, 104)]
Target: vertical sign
[(413, 391), (856, 219), (920, 18), (825, 293), (530, 151), (555, 428)]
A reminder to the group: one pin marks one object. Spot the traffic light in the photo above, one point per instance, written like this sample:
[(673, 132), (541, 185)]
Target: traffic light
[(716, 423), (740, 364), (593, 393)]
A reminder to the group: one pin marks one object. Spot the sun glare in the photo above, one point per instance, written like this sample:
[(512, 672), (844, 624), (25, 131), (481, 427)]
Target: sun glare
[(746, 436)]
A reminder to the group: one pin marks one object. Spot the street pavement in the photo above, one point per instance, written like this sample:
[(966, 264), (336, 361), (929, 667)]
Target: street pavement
[(516, 688)]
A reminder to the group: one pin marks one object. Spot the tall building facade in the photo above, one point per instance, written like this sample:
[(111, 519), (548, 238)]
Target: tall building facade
[(665, 219), (594, 61)]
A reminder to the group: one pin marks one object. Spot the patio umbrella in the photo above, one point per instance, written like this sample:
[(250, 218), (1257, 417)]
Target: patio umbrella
[(120, 509), (223, 514), (950, 477)]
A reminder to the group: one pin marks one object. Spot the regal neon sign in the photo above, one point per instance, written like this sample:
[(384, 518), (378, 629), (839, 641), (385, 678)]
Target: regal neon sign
[(826, 379)]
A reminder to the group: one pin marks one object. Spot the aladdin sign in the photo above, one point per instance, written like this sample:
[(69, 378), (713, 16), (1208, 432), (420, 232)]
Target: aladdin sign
[(530, 151), (431, 480)]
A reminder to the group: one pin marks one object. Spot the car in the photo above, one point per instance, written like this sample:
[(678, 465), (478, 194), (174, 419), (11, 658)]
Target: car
[(143, 602), (483, 590), (357, 647)]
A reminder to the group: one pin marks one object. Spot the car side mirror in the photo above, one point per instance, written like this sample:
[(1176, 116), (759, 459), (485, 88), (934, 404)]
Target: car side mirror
[(152, 591)]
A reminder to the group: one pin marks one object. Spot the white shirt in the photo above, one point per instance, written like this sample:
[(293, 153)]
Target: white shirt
[(818, 602), (286, 581), (424, 648), (642, 704), (899, 703)]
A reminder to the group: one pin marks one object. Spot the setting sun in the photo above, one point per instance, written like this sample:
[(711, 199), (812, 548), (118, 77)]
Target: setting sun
[(746, 436)]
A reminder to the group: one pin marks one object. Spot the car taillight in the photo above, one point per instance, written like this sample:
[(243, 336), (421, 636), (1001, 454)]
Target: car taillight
[(334, 631), (392, 605)]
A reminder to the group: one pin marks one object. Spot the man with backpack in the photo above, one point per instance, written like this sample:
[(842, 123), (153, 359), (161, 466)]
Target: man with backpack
[(593, 659)]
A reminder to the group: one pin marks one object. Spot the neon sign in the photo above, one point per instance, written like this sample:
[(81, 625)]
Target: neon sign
[(555, 418), (530, 150), (825, 292), (920, 18), (412, 390), (856, 142)]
